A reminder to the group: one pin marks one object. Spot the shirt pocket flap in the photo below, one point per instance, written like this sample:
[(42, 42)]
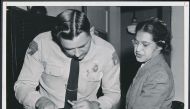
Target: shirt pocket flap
[(54, 70)]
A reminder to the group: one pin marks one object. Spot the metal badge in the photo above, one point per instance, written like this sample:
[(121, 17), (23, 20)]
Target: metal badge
[(95, 68)]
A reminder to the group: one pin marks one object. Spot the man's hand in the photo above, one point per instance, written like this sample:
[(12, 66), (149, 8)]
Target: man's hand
[(45, 103), (85, 104)]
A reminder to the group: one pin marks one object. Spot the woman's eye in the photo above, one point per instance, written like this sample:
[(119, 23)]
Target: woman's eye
[(146, 44)]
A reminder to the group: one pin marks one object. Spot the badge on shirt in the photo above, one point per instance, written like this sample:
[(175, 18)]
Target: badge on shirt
[(33, 47), (95, 68), (94, 72), (115, 58)]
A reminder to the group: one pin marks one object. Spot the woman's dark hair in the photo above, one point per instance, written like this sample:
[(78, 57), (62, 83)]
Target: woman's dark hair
[(70, 23), (159, 32)]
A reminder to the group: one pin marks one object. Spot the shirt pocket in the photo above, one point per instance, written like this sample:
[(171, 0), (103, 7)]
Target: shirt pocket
[(94, 76), (54, 70), (91, 83), (54, 78)]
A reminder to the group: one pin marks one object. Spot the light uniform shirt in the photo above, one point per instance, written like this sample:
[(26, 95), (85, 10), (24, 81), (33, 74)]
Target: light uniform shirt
[(47, 66)]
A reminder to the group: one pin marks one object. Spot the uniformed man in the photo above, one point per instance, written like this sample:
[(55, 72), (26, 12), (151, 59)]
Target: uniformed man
[(47, 65)]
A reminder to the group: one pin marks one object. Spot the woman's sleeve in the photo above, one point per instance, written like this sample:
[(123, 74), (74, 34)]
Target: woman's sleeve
[(154, 91)]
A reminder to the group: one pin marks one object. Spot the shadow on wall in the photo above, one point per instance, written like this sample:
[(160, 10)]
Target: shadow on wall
[(129, 67), (40, 10)]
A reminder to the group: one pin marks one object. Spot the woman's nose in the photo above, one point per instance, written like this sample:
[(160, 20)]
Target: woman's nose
[(139, 47)]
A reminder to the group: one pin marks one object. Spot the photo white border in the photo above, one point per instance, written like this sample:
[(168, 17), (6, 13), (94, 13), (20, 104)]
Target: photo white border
[(101, 3), (186, 53), (98, 3)]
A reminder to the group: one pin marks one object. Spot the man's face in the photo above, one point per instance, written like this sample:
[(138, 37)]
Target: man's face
[(144, 47), (78, 47)]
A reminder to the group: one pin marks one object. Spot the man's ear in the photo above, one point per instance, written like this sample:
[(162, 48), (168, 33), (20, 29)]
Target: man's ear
[(92, 30)]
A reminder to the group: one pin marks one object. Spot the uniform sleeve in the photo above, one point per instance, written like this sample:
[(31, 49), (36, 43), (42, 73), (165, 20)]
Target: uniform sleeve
[(154, 91), (28, 80), (110, 82)]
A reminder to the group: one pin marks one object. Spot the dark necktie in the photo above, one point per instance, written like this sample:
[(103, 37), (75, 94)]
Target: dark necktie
[(72, 84)]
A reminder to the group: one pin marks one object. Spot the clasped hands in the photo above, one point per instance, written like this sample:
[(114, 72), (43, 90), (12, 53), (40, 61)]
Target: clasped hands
[(45, 103)]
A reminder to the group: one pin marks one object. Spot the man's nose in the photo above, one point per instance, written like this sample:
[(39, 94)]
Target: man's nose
[(77, 53)]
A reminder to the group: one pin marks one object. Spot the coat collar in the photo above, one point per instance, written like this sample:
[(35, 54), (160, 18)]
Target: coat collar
[(155, 60)]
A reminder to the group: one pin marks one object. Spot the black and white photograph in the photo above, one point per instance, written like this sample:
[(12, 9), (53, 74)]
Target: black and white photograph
[(95, 55)]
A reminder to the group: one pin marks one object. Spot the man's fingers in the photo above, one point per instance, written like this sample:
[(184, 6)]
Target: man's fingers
[(79, 100), (81, 104), (70, 102), (78, 106)]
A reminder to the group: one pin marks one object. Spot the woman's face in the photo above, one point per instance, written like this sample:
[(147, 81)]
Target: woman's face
[(144, 46)]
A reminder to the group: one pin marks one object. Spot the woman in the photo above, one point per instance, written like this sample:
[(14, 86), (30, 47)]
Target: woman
[(153, 85)]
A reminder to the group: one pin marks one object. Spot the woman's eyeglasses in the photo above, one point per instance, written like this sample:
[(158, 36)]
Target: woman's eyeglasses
[(145, 44)]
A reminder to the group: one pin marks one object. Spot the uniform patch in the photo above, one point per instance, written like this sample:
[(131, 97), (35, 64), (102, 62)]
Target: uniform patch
[(33, 47), (115, 58)]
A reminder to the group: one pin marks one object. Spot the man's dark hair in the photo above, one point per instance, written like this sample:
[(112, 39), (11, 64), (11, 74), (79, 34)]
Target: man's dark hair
[(70, 23)]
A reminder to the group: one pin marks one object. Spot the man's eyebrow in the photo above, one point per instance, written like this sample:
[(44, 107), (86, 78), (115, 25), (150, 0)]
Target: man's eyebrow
[(68, 48), (76, 47), (83, 45)]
